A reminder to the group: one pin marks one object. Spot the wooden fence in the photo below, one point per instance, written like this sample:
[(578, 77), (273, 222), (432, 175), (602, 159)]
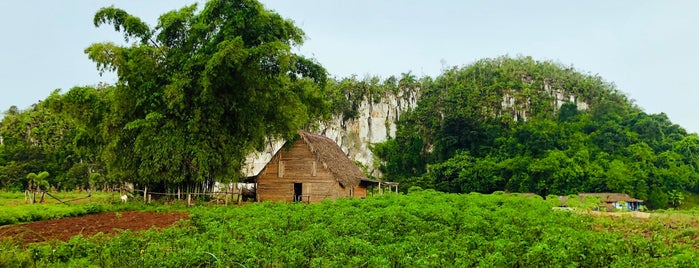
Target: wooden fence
[(234, 195)]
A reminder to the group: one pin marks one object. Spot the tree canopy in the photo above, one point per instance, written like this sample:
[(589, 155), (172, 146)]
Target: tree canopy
[(201, 89), (514, 124)]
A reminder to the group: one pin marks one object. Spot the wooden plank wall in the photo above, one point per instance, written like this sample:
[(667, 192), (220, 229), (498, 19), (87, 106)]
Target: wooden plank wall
[(298, 168), (360, 192)]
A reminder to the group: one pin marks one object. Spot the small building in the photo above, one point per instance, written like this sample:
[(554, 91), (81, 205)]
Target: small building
[(311, 169), (616, 201)]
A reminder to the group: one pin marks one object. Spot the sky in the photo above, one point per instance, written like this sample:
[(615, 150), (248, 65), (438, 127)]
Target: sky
[(648, 49)]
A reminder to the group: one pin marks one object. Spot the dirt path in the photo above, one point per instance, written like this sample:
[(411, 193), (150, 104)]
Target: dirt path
[(108, 223)]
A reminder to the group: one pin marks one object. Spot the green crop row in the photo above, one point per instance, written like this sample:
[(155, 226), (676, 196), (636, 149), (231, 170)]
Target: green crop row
[(19, 214), (422, 229), (38, 212), (13, 208), (14, 198)]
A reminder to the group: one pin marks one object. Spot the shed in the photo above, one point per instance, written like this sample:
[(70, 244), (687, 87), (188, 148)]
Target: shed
[(617, 200), (311, 169)]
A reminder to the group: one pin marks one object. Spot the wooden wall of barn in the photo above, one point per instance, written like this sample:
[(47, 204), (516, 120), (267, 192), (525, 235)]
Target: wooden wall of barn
[(296, 166)]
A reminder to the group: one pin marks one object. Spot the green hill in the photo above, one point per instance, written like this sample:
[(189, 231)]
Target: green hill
[(520, 125)]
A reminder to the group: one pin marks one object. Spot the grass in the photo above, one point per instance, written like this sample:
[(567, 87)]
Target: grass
[(18, 198), (14, 209), (691, 201)]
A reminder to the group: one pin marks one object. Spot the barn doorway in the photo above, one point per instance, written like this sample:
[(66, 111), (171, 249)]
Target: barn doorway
[(298, 192)]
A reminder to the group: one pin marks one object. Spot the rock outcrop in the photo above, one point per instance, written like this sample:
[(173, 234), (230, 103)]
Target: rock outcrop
[(376, 122)]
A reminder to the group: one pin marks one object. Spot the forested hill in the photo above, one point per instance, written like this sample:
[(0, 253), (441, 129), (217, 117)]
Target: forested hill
[(520, 125), (203, 88)]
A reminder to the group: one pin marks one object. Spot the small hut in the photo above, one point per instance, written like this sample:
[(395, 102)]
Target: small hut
[(616, 201), (311, 169)]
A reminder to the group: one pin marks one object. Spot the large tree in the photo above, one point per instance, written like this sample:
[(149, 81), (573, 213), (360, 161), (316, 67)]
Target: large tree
[(201, 89)]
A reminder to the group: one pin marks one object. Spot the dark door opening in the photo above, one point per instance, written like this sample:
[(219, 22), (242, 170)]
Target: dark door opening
[(298, 192)]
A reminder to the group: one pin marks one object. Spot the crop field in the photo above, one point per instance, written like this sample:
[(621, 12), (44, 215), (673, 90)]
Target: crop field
[(420, 229), (107, 223), (14, 209)]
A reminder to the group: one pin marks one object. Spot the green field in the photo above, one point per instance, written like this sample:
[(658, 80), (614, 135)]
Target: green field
[(14, 209), (425, 229)]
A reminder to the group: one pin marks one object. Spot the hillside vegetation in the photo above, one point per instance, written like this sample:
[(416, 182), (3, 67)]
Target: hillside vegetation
[(469, 134)]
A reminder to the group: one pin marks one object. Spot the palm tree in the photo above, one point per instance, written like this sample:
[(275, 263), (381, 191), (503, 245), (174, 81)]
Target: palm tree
[(36, 183)]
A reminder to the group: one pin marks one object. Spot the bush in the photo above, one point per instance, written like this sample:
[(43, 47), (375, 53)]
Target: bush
[(414, 189)]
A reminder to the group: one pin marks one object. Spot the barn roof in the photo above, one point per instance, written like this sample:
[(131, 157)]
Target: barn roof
[(334, 159), (612, 197)]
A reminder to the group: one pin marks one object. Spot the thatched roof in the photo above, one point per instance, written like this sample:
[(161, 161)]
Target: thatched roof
[(334, 159), (612, 197)]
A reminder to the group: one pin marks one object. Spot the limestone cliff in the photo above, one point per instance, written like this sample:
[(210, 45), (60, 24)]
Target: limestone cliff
[(376, 117), (518, 105), (375, 122)]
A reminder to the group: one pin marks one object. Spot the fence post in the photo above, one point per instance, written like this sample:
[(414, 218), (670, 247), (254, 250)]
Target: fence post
[(145, 191), (226, 197), (189, 199), (238, 193)]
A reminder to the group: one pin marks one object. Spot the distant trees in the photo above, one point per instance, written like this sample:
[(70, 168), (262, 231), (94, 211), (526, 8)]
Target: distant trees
[(61, 135)]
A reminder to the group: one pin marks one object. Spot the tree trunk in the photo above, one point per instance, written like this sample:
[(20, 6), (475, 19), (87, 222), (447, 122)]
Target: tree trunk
[(28, 195)]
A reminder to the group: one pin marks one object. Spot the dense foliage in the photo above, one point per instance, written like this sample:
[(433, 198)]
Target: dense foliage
[(495, 125), (60, 135), (202, 89), (195, 94), (205, 86), (347, 94), (426, 229)]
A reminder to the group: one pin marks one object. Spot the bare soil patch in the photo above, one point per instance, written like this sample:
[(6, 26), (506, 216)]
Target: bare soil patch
[(108, 223)]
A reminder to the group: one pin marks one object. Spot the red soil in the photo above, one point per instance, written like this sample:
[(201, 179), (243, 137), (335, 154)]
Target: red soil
[(108, 223)]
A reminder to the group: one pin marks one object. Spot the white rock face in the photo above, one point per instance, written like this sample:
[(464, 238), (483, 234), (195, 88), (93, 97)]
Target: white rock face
[(254, 162), (564, 96), (376, 122), (516, 104)]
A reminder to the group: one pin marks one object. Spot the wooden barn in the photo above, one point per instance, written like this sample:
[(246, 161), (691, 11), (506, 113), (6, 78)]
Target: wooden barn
[(311, 169)]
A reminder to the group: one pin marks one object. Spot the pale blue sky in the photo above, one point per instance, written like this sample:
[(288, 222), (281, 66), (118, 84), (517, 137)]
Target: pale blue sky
[(647, 48)]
